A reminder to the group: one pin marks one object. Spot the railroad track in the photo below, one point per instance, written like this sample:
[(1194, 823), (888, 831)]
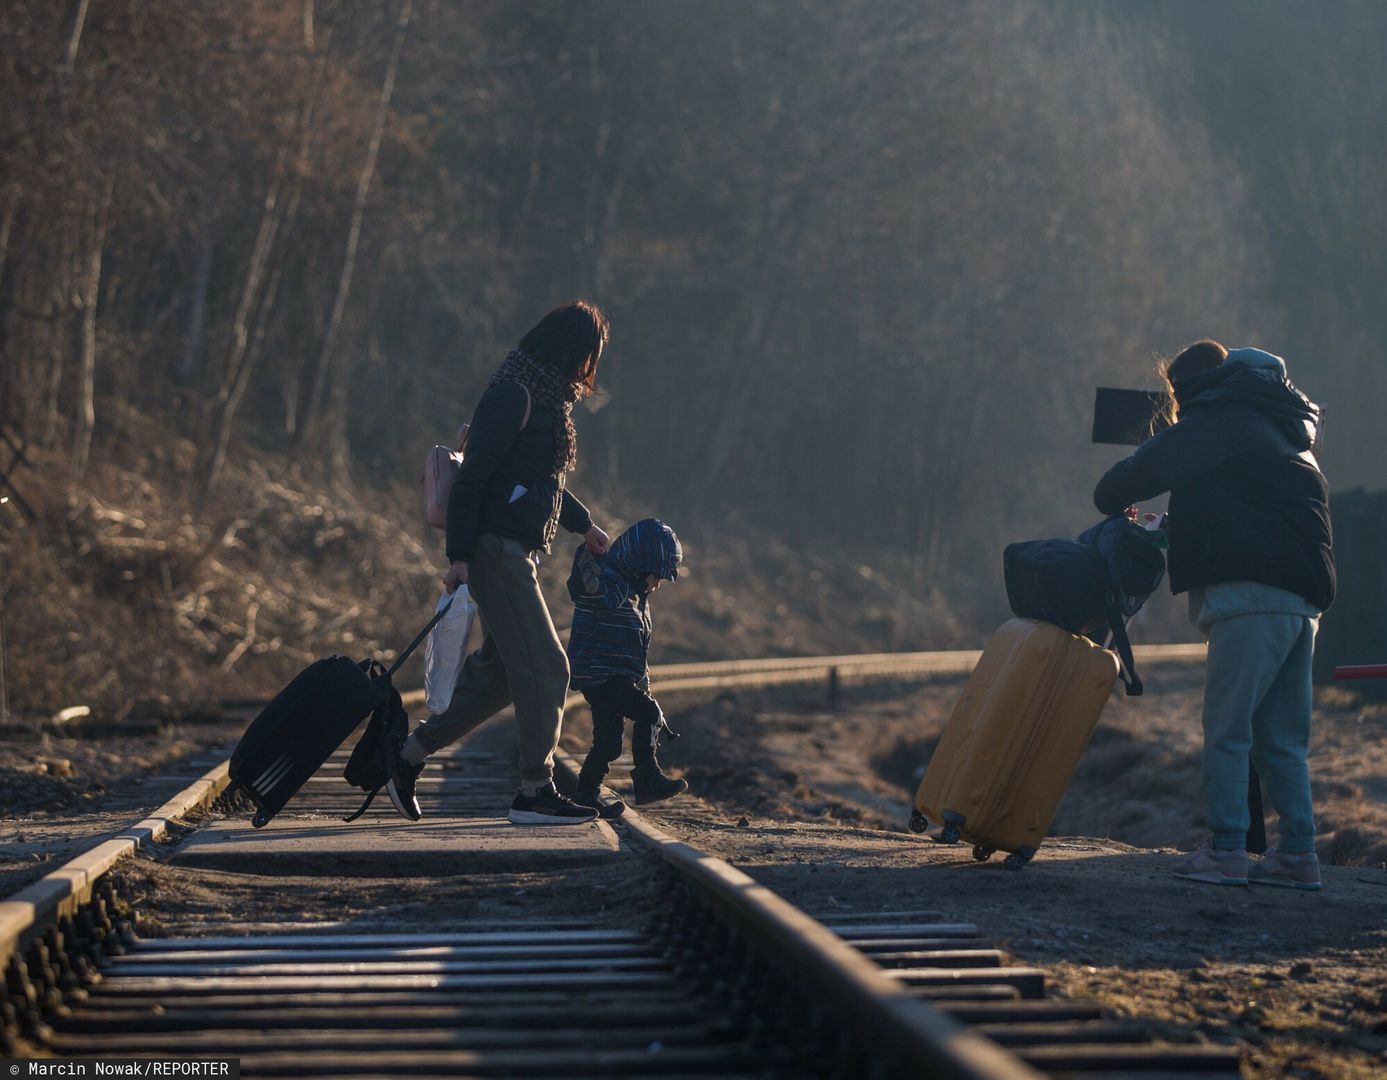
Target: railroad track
[(720, 978)]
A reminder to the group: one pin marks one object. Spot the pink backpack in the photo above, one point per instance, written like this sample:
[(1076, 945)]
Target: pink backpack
[(441, 469)]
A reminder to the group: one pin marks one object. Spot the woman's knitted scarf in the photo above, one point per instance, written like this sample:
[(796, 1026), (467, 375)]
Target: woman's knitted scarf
[(548, 388)]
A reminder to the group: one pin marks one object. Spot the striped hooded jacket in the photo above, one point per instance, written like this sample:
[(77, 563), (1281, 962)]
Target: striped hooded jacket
[(611, 618)]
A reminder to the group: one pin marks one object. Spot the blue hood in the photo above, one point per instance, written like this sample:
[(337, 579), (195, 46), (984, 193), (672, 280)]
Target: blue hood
[(1258, 379), (647, 547), (1257, 359)]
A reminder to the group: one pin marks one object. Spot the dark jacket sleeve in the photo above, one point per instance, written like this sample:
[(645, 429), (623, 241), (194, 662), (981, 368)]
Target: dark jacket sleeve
[(495, 424), (1165, 461), (573, 515)]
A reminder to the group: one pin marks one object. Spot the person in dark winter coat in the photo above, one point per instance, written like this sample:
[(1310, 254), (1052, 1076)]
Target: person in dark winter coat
[(1251, 543), (607, 652), (505, 507)]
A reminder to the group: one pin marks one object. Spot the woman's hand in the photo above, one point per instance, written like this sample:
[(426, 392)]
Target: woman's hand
[(456, 575), (597, 540)]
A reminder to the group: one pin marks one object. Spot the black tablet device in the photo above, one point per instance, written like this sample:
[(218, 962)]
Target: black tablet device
[(1129, 417), (1125, 417)]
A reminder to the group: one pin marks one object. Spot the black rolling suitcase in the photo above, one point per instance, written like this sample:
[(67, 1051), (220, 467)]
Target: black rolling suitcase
[(307, 720)]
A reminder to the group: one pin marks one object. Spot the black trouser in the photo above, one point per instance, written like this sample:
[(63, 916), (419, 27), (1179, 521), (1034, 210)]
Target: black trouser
[(612, 702)]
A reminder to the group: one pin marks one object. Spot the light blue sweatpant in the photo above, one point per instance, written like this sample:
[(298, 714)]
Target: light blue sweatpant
[(1258, 699)]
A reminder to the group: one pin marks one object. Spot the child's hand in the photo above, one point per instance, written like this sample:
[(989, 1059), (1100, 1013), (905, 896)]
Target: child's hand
[(597, 540)]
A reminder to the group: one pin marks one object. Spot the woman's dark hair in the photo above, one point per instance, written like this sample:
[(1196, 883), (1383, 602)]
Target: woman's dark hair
[(1193, 360), (570, 339)]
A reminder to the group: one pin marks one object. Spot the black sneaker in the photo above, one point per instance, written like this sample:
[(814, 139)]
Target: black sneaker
[(548, 807), (607, 809), (400, 787), (649, 784)]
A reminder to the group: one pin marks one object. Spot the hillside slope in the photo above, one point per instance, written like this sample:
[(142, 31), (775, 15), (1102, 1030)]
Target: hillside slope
[(125, 596)]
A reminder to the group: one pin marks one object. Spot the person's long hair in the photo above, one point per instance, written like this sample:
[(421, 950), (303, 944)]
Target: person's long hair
[(570, 339), (1192, 361)]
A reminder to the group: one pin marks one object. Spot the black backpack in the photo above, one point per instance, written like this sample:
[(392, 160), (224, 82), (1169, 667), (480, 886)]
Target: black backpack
[(368, 768), (1091, 585)]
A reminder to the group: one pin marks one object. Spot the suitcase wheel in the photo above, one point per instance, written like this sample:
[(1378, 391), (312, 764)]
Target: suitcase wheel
[(982, 853), (918, 822), (1015, 861), (260, 820), (949, 834)]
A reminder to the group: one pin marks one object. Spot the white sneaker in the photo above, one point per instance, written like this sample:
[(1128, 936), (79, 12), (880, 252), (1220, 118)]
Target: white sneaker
[(1213, 867), (1288, 871)]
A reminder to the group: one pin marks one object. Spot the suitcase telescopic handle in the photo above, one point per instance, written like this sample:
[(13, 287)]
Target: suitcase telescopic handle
[(390, 673)]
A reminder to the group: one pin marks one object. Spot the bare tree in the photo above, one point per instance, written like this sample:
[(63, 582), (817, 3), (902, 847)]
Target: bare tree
[(85, 301), (325, 427), (74, 34)]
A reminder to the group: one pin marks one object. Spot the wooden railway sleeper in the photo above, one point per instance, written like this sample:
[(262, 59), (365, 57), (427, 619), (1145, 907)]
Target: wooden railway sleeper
[(721, 963), (81, 950), (85, 935), (800, 1035), (679, 922), (776, 1026), (91, 939), (849, 1061), (9, 1046), (62, 949), (116, 917), (755, 990), (62, 963), (45, 975), (94, 922), (25, 997)]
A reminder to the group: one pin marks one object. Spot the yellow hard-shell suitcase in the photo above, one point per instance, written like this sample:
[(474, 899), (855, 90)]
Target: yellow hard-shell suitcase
[(1014, 739)]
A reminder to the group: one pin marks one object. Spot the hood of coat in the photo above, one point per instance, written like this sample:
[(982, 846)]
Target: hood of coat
[(1258, 379), (647, 547)]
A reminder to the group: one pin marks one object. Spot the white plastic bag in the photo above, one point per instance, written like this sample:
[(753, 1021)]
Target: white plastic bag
[(446, 648)]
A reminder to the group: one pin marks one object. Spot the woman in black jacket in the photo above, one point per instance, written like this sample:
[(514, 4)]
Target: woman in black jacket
[(506, 506), (1250, 541)]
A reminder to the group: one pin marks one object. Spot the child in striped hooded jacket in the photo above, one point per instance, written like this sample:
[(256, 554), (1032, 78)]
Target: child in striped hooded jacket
[(607, 652)]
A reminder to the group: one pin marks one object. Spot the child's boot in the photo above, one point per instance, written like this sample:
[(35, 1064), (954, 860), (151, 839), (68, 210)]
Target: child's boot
[(588, 791), (649, 784)]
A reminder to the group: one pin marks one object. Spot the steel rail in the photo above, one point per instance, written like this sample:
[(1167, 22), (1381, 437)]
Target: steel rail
[(25, 916), (951, 661), (850, 667), (60, 893), (879, 1009)]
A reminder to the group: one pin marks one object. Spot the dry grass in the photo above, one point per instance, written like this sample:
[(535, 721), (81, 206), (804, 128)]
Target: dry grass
[(126, 596)]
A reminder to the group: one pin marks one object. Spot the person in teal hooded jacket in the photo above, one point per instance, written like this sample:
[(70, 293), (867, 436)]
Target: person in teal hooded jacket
[(1252, 545)]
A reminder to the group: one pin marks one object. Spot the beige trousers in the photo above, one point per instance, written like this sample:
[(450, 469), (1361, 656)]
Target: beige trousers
[(521, 661)]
